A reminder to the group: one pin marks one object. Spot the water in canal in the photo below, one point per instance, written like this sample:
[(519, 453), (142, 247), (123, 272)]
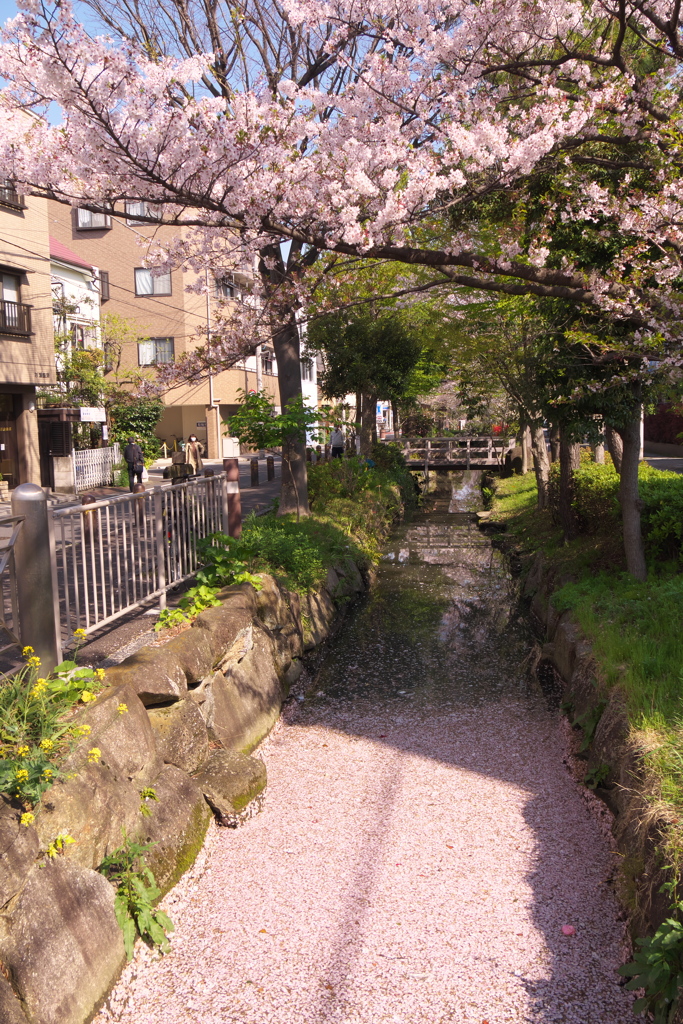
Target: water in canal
[(422, 845)]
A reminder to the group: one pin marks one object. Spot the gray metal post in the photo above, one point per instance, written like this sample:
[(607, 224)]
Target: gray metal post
[(34, 552), (161, 544)]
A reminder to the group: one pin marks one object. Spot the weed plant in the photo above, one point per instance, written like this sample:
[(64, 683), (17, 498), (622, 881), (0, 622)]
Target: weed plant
[(352, 507), (35, 733), (136, 894)]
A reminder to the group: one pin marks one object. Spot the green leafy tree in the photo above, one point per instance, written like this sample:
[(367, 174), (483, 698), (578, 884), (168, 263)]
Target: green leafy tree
[(259, 426), (371, 355), (136, 416)]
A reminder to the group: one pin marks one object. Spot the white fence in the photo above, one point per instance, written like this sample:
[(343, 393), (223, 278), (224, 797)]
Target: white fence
[(94, 467)]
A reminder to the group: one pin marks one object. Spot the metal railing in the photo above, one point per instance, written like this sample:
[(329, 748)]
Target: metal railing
[(115, 554), (9, 614), (15, 317), (94, 467)]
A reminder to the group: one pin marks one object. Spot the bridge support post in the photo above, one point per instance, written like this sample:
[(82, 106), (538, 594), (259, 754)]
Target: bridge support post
[(468, 452)]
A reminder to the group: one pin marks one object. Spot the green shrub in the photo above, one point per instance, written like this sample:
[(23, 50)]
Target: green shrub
[(596, 497)]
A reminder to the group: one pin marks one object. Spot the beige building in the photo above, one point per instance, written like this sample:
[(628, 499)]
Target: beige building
[(27, 360), (167, 318)]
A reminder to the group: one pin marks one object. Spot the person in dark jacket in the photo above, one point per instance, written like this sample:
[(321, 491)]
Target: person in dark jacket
[(135, 460)]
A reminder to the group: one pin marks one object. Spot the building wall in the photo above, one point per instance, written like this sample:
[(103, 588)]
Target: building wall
[(116, 251), (26, 362)]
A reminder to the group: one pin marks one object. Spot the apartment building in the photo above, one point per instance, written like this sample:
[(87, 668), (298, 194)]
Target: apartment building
[(27, 360), (167, 317)]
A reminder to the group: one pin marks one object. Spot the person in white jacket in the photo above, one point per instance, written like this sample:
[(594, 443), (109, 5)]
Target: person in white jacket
[(337, 442)]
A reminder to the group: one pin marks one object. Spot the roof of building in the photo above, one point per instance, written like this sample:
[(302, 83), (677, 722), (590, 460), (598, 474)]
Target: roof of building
[(61, 252)]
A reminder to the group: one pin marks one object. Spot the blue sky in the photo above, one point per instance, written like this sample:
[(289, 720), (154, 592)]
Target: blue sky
[(7, 10)]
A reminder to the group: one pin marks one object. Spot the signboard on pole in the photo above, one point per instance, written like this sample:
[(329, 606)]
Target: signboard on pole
[(93, 415)]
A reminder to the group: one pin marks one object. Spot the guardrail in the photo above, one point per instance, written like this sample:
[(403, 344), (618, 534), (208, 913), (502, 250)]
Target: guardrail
[(460, 451), (80, 567), (114, 554)]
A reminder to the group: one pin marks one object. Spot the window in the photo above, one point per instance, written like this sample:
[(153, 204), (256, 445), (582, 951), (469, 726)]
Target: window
[(147, 284), (15, 318), (104, 286), (83, 336), (93, 220), (155, 351), (141, 209), (307, 368), (9, 195), (225, 288), (267, 362)]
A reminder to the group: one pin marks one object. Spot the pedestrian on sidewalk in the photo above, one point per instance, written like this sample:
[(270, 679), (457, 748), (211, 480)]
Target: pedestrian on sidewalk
[(135, 461), (194, 450), (337, 442)]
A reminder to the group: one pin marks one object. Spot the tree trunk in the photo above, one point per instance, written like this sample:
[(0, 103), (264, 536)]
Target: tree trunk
[(554, 442), (630, 501), (294, 487), (599, 454), (368, 424), (615, 446), (397, 421), (570, 457), (541, 465), (526, 447)]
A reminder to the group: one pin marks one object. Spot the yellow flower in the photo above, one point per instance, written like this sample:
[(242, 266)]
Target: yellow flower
[(48, 773), (57, 845), (47, 745), (27, 819), (23, 752), (87, 696), (21, 775), (41, 685), (93, 756), (80, 730), (99, 674), (27, 652), (122, 709), (80, 634), (33, 662)]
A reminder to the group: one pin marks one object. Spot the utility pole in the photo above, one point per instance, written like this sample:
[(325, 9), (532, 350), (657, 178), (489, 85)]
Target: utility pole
[(215, 409)]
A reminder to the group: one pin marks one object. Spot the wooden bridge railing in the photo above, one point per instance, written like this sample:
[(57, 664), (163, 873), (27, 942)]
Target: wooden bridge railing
[(455, 451)]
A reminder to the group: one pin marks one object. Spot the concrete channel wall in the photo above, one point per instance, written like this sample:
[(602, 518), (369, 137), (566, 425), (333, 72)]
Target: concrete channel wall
[(181, 719)]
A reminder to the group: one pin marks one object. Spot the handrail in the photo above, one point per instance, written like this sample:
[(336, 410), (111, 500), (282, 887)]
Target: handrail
[(117, 499)]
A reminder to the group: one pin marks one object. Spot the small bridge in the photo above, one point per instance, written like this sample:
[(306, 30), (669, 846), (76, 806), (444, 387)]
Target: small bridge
[(454, 452)]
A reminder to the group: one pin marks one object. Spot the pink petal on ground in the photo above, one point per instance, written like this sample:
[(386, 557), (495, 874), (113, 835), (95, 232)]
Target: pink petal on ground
[(568, 929)]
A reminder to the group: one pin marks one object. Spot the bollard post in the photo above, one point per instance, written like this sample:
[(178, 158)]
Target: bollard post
[(233, 526), (254, 473), (36, 574), (270, 467), (91, 522), (138, 491)]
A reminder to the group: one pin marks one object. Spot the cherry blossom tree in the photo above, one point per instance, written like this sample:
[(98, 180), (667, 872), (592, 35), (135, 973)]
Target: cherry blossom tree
[(436, 150)]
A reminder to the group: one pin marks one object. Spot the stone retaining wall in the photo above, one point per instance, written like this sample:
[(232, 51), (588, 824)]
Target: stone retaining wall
[(640, 820), (180, 718)]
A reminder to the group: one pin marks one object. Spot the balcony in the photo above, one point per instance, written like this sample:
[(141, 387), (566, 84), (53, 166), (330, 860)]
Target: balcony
[(10, 197), (15, 318)]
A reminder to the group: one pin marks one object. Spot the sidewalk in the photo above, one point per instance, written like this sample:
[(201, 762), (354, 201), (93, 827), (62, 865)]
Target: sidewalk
[(253, 498)]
